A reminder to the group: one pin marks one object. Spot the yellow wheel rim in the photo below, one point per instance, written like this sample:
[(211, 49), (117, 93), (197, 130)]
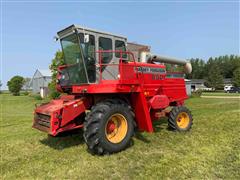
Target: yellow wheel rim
[(183, 120), (116, 128)]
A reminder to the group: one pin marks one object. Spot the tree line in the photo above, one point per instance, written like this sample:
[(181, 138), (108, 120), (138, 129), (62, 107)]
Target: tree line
[(214, 70)]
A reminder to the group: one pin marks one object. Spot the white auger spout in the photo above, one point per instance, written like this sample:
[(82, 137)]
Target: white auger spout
[(152, 58)]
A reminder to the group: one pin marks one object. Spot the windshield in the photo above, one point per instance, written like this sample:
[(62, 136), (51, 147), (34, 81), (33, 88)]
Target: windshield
[(75, 71)]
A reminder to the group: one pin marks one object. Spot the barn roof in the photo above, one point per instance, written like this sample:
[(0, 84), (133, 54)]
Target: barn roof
[(41, 73)]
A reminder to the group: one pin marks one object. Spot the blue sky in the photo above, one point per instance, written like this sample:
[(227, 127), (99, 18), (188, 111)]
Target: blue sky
[(178, 29)]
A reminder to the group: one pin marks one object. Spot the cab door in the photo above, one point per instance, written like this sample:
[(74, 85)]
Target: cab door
[(88, 49), (109, 69)]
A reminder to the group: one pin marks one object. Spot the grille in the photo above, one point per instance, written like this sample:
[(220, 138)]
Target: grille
[(43, 119)]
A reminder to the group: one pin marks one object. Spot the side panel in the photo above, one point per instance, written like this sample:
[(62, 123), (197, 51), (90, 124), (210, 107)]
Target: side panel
[(71, 111), (174, 89)]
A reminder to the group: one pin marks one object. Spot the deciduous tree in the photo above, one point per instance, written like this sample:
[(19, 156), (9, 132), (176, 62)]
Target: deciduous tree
[(56, 61), (15, 85)]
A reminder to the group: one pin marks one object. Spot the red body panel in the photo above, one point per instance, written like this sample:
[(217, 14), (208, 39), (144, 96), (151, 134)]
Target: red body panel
[(147, 85)]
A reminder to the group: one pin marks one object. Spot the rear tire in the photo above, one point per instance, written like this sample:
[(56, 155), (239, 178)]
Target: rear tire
[(109, 127), (180, 119)]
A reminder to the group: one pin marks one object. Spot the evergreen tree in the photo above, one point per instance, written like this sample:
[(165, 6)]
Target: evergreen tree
[(198, 66), (214, 78), (236, 77), (226, 66)]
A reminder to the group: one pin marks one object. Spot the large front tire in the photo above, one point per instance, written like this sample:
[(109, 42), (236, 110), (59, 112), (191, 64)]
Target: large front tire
[(109, 127)]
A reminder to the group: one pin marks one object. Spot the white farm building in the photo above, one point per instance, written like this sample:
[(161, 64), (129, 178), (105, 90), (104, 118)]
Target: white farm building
[(40, 81)]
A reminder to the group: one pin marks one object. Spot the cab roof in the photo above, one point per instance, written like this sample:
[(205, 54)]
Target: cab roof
[(73, 27)]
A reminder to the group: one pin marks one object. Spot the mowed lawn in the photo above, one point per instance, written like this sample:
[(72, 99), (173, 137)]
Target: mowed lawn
[(211, 150), (220, 94)]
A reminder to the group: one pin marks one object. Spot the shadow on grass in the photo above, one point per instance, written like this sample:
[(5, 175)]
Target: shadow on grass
[(161, 124), (64, 140), (75, 137), (139, 136), (158, 126)]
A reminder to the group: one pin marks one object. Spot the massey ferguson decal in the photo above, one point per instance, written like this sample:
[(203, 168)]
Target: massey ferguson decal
[(150, 70), (157, 73)]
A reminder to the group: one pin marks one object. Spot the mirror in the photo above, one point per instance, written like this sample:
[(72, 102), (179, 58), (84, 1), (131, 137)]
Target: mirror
[(55, 38)]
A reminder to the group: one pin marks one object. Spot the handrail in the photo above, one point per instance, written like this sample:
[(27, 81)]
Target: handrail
[(100, 52)]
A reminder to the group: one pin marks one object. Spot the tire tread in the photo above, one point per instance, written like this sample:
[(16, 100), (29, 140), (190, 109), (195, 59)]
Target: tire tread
[(92, 123)]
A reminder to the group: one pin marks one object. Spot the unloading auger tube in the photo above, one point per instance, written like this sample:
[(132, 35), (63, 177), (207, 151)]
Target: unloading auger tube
[(151, 58)]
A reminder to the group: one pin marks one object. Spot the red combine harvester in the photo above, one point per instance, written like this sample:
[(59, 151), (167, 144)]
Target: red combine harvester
[(110, 94)]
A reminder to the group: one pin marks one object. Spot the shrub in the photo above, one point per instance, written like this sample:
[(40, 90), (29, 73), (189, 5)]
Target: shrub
[(37, 97), (25, 93), (197, 93), (53, 93)]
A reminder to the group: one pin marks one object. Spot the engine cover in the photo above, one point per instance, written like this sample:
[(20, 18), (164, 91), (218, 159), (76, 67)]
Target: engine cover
[(159, 102)]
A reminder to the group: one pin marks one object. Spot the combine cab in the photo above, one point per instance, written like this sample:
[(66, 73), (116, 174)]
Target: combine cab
[(110, 94)]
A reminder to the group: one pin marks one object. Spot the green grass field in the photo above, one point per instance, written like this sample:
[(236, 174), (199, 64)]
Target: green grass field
[(219, 94), (211, 150)]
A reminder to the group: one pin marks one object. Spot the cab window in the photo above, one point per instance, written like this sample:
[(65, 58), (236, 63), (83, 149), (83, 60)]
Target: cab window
[(105, 44), (88, 47), (120, 46)]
